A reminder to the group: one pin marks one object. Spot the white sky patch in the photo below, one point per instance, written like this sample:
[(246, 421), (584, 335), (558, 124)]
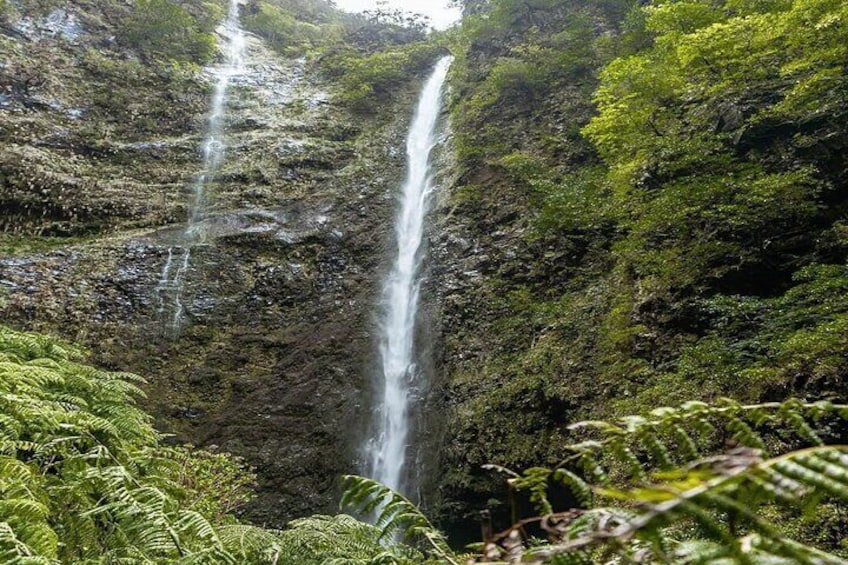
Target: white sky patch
[(440, 15)]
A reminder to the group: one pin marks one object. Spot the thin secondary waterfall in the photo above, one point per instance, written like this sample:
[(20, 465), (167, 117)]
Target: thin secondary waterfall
[(387, 449), (213, 145), (172, 279)]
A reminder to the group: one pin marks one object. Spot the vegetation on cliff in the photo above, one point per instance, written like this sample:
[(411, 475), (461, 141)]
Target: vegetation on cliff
[(85, 478), (369, 56), (649, 210), (663, 220)]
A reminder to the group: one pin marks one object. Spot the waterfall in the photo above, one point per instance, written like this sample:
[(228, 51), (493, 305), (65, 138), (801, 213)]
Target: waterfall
[(387, 449), (172, 280), (213, 144)]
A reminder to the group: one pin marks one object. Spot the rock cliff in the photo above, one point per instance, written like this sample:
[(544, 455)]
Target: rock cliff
[(100, 146)]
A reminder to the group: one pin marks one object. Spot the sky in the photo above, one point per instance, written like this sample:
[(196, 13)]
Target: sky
[(440, 15)]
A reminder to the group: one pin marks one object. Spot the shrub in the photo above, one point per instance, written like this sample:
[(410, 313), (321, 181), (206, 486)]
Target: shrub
[(161, 29), (285, 32), (376, 76)]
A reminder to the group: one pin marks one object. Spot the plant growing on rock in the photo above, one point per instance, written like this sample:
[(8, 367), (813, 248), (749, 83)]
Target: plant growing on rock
[(656, 489), (84, 480), (162, 29)]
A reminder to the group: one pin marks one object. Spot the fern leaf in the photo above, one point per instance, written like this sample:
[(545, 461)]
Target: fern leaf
[(578, 487), (395, 513)]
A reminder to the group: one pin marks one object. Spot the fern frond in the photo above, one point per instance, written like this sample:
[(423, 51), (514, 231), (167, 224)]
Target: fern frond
[(726, 486), (670, 437), (81, 463), (246, 541), (342, 539), (395, 514)]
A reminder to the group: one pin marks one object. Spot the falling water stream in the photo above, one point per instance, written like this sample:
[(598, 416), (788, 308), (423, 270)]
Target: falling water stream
[(213, 145), (172, 278), (387, 448)]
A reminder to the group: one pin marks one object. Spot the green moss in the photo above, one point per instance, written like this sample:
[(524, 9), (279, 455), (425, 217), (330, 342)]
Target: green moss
[(21, 245)]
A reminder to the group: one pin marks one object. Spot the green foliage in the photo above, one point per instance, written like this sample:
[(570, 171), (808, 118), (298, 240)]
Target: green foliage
[(395, 514), (715, 215), (720, 62), (675, 120), (368, 79), (166, 30), (757, 344), (517, 61), (571, 203), (216, 484), (659, 489), (286, 32), (331, 540), (513, 79), (369, 56), (83, 480)]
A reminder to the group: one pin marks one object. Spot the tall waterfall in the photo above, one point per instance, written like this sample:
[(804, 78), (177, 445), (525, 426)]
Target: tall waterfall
[(172, 279), (387, 449)]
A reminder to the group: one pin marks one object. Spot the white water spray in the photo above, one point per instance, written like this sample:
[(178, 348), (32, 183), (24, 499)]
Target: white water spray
[(172, 280), (387, 450)]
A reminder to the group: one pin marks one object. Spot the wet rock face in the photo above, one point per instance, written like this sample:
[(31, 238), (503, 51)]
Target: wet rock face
[(268, 364), (481, 253), (271, 358), (91, 138)]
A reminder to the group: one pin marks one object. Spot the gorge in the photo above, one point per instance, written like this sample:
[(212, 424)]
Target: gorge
[(570, 276)]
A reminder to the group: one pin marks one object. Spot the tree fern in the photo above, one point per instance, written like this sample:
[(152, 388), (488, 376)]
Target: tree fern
[(340, 540), (81, 463)]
